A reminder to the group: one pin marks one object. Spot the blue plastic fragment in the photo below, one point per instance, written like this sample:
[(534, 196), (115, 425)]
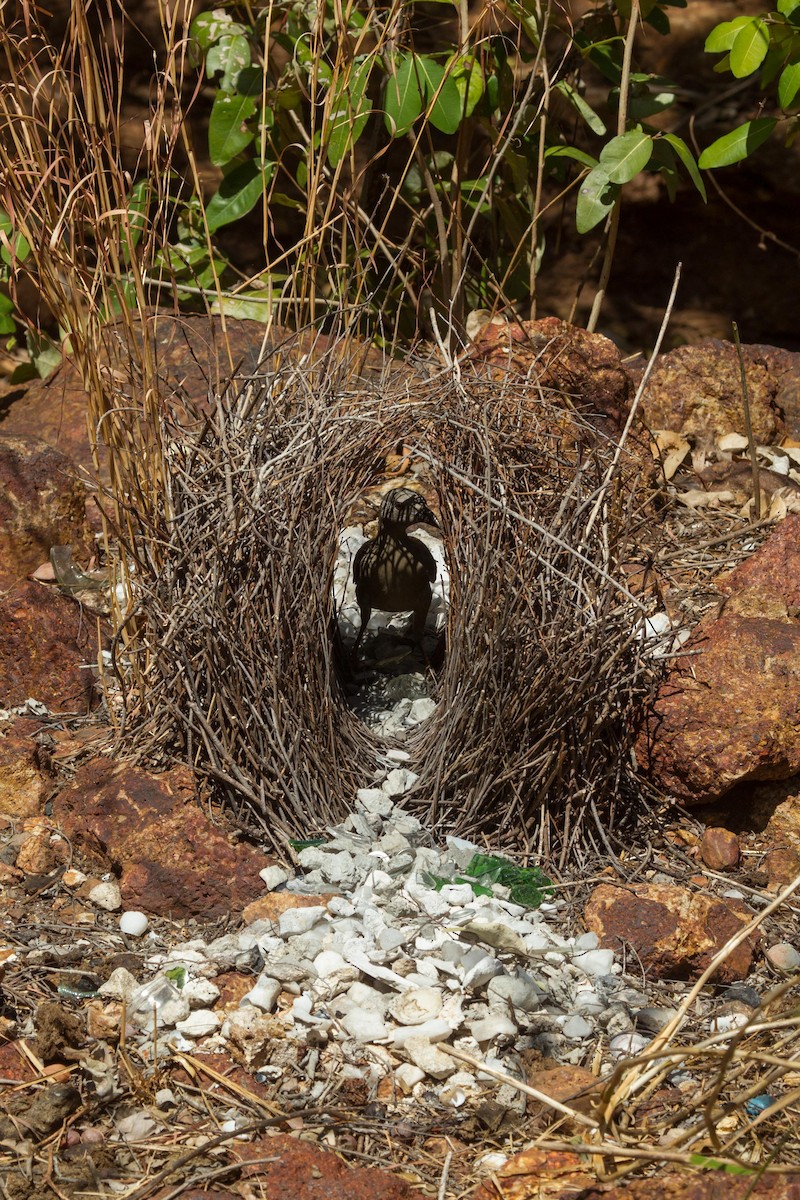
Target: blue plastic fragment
[(757, 1104)]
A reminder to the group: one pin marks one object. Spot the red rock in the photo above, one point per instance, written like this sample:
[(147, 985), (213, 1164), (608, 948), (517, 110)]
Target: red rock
[(304, 1172), (770, 577), (44, 640), (696, 390), (782, 866), (42, 504), (536, 1174), (719, 849), (23, 783), (674, 933), (711, 1185), (586, 367), (728, 713), (174, 862), (271, 906)]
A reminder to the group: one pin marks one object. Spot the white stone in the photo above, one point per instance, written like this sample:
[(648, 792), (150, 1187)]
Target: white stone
[(73, 878), (364, 1026), (106, 895), (274, 876), (483, 970), (586, 941), (263, 995), (407, 1075), (437, 1030), (430, 1058), (120, 985), (457, 894), (199, 1024), (416, 1006), (595, 962), (201, 993), (627, 1045), (399, 781), (401, 756), (495, 1025), (577, 1028), (299, 920), (133, 923)]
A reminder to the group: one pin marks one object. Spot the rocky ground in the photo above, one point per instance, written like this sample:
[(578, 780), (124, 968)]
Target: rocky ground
[(186, 1016)]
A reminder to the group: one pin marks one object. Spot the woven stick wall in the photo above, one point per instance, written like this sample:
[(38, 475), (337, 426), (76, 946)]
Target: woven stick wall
[(234, 613)]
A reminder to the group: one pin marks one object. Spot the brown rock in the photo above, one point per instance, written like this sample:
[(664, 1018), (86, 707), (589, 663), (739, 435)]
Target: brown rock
[(536, 1174), (270, 907), (23, 784), (719, 849), (44, 639), (42, 504), (770, 576), (696, 391), (174, 862), (304, 1172), (192, 354), (675, 934), (42, 848), (573, 1086), (585, 367), (728, 713), (713, 1185), (782, 866)]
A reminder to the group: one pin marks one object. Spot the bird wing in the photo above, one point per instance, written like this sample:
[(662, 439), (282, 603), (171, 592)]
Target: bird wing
[(425, 558)]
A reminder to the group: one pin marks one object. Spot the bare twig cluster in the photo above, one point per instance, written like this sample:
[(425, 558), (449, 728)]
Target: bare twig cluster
[(233, 634)]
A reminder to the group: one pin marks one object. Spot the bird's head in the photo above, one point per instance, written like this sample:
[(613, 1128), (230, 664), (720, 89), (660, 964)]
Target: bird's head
[(402, 506)]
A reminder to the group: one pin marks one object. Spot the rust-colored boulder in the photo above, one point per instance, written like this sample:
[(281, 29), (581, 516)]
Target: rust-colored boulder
[(719, 849), (173, 861), (674, 933), (292, 1167), (585, 368), (710, 1185), (729, 712), (42, 504), (23, 782), (697, 391), (45, 643), (536, 1174)]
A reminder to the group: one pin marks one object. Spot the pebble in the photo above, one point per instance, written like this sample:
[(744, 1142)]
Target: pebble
[(106, 895), (133, 923), (784, 957)]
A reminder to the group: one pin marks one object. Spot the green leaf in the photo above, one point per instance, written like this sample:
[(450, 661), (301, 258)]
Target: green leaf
[(596, 197), (788, 8), (227, 58), (737, 144), (247, 306), (467, 73), (238, 193), (718, 1164), (44, 353), (250, 81), (723, 36), (209, 27), (687, 158), (789, 85), (444, 111), (228, 131), (659, 20), (571, 152), (626, 155), (749, 48), (404, 100), (587, 114), (348, 112), (7, 324)]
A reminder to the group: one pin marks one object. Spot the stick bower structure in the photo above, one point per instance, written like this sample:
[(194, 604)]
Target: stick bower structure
[(229, 651)]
